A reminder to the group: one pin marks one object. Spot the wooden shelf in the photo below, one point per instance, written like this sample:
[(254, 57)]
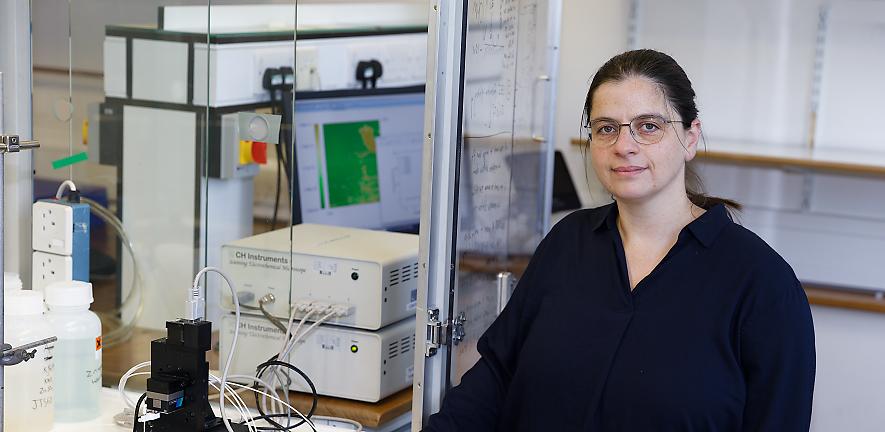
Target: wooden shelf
[(491, 264), (821, 295), (842, 298), (846, 161)]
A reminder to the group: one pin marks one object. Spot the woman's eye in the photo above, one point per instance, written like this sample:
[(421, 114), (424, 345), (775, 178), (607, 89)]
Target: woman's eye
[(606, 129)]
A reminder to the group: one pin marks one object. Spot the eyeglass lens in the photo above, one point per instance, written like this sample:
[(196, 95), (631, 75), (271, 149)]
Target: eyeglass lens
[(644, 129)]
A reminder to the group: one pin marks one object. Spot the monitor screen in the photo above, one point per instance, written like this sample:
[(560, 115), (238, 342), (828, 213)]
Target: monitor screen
[(565, 196), (358, 157)]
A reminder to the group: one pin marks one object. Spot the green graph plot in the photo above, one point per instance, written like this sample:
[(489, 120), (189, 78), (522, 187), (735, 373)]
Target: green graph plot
[(352, 162)]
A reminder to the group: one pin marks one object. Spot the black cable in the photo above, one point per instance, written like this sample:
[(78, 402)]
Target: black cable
[(268, 417), (274, 362), (290, 138), (137, 408), (273, 320), (287, 130), (276, 200), (277, 108), (282, 161)]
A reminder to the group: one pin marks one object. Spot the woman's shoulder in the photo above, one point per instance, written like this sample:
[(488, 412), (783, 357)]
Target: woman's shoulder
[(566, 235), (770, 293), (582, 219), (767, 271), (744, 242)]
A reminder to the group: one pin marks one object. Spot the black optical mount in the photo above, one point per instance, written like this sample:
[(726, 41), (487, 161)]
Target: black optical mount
[(368, 72), (178, 388)]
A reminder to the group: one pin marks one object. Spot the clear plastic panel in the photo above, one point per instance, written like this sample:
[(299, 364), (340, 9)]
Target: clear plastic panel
[(502, 180), (341, 148), (250, 47), (253, 47), (113, 95)]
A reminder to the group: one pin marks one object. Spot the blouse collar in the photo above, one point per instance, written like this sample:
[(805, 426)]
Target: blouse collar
[(705, 228)]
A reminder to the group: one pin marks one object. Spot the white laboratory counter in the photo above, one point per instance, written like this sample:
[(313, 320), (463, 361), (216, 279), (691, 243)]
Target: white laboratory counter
[(112, 404)]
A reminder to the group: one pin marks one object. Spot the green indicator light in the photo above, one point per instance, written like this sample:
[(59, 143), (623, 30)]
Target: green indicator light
[(354, 348)]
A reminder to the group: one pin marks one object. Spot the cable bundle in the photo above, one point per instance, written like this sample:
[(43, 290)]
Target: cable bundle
[(275, 368)]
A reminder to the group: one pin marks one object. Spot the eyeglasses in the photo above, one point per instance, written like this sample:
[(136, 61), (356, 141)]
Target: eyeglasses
[(646, 130)]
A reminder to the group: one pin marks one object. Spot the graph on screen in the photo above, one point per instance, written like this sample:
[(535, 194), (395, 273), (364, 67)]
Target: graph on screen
[(359, 158)]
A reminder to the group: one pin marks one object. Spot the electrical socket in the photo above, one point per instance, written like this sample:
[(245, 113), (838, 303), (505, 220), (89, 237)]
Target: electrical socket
[(48, 268), (307, 74), (53, 228), (61, 228)]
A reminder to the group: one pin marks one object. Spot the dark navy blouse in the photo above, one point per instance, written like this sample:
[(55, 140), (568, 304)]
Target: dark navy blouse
[(718, 337)]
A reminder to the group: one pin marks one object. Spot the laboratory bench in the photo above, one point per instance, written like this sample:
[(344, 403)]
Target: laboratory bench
[(118, 359)]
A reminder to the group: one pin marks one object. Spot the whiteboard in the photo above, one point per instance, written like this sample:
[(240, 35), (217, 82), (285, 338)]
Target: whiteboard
[(487, 193), (503, 171)]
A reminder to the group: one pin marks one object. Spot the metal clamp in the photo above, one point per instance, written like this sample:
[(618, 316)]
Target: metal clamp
[(436, 333), (458, 333), (506, 284), (537, 137), (440, 332), (14, 356), (12, 144)]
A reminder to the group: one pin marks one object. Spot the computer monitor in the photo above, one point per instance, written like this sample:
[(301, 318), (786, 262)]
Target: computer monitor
[(565, 196), (358, 157)]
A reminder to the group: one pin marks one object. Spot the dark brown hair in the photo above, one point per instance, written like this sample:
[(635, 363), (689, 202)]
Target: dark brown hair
[(662, 70)]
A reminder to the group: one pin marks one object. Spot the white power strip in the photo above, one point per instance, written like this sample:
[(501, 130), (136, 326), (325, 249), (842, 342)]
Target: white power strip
[(53, 228), (60, 239), (49, 268)]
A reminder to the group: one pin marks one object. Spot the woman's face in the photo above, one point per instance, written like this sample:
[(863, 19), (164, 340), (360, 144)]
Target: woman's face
[(638, 172)]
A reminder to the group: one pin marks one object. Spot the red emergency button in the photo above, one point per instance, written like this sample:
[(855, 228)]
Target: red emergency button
[(259, 152)]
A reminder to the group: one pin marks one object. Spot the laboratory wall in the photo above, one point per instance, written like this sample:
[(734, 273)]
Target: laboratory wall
[(592, 32), (51, 51), (51, 27), (850, 381), (798, 212), (177, 124), (845, 212)]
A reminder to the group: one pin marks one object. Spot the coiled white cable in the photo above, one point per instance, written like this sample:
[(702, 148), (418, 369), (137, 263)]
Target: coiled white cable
[(200, 297)]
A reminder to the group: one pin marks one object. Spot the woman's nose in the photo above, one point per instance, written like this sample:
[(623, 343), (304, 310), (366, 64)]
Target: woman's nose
[(625, 144)]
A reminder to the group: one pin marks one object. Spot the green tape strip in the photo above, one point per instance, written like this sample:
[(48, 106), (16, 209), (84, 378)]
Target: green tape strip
[(70, 160)]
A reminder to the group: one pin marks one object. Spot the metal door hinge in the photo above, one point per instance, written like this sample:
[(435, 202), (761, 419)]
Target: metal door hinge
[(439, 333), (458, 328), (12, 144), (506, 284)]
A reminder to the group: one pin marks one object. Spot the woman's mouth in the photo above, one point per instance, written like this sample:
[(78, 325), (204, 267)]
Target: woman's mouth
[(629, 170)]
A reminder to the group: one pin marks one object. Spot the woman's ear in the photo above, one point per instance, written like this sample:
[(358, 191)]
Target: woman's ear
[(692, 137)]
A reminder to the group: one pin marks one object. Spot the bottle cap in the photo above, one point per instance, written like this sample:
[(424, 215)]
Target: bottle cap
[(23, 302), (69, 293), (11, 282)]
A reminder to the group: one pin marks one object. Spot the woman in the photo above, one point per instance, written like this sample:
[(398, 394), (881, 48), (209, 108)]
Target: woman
[(654, 313)]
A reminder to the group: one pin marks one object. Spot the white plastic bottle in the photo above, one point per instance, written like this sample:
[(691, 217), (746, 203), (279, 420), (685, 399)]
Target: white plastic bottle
[(28, 392), (11, 282), (77, 352)]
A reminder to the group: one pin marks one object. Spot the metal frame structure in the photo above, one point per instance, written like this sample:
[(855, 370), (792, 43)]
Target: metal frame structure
[(436, 328), (442, 129), (554, 25), (15, 63), (15, 119)]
